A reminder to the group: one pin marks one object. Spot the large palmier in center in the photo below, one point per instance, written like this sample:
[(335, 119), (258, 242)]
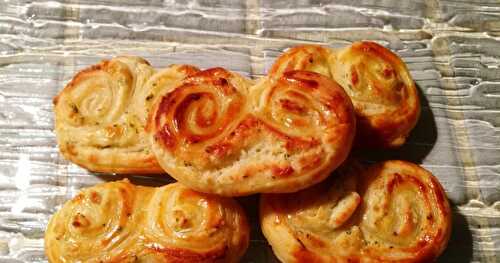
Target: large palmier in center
[(218, 132)]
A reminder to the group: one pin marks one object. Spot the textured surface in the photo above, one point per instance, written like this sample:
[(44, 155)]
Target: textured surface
[(451, 48)]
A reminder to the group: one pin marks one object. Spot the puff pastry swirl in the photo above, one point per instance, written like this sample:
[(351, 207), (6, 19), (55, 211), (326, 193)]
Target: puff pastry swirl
[(377, 81), (121, 222), (219, 133), (393, 211), (102, 112)]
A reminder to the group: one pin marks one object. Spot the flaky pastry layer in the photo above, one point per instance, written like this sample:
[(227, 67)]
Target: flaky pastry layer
[(121, 222), (218, 132), (393, 211), (101, 115), (384, 95)]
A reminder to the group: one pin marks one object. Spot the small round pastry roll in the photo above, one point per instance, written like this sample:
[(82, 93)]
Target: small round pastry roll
[(182, 225), (121, 222), (100, 115), (383, 93), (97, 225), (377, 81), (216, 133), (393, 211), (93, 125)]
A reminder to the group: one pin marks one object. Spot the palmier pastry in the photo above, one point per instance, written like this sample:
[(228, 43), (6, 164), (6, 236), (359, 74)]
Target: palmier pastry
[(217, 133), (121, 222), (383, 93), (100, 115), (393, 211)]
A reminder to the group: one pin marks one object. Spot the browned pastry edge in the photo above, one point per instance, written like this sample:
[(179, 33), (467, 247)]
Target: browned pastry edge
[(384, 130), (192, 156), (147, 224), (292, 243)]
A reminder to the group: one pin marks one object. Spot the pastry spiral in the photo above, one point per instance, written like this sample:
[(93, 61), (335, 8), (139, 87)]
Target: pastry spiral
[(161, 82), (218, 133), (121, 222), (306, 57), (377, 81), (96, 224), (102, 112), (393, 211)]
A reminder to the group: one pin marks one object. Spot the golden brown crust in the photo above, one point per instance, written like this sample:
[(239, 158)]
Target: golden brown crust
[(384, 94), (377, 81), (217, 133), (393, 211), (100, 115), (121, 222), (304, 57)]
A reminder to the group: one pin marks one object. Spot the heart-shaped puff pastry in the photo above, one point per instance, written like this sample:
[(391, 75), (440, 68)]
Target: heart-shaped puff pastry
[(218, 132), (377, 81), (102, 112), (393, 211), (121, 222)]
